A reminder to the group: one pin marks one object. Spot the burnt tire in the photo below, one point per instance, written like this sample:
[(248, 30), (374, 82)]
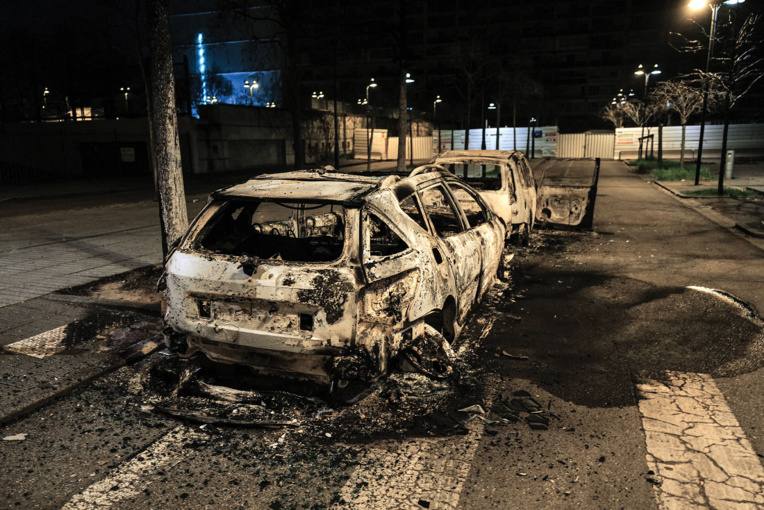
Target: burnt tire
[(523, 235)]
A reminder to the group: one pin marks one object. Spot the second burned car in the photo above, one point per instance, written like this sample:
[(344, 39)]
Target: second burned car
[(324, 276), (504, 180)]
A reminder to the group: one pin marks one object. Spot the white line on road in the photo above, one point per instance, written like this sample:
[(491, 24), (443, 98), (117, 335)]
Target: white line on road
[(432, 471), (130, 478), (40, 346), (427, 470), (695, 446)]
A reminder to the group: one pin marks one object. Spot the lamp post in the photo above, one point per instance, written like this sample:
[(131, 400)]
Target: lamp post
[(531, 123), (435, 118), (496, 106), (369, 113), (126, 91), (317, 96), (641, 72), (409, 81), (699, 4), (251, 86)]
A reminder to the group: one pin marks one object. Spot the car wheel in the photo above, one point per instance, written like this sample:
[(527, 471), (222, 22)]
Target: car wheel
[(445, 321), (523, 235)]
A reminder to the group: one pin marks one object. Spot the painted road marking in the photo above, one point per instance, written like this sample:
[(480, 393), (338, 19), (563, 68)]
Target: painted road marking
[(422, 470), (695, 446), (40, 346), (430, 471), (130, 478)]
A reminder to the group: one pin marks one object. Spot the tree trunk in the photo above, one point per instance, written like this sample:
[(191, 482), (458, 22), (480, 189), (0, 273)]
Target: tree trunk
[(722, 163), (681, 147), (660, 144), (172, 202), (402, 125), (467, 127), (514, 122)]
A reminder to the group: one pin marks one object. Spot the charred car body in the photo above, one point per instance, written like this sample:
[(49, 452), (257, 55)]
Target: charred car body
[(321, 276), (505, 181), (563, 194)]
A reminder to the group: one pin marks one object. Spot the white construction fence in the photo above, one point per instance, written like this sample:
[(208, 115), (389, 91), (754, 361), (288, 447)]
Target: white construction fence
[(746, 139)]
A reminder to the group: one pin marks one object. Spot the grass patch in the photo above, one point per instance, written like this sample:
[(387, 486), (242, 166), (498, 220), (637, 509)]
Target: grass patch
[(670, 170), (728, 192)]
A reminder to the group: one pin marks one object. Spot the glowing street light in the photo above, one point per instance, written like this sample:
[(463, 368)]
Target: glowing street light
[(372, 84), (641, 72), (435, 119), (253, 86), (496, 106)]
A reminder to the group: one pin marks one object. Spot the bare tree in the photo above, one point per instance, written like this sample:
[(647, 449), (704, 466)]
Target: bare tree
[(640, 112), (469, 64), (613, 113), (684, 98), (742, 68), (512, 85)]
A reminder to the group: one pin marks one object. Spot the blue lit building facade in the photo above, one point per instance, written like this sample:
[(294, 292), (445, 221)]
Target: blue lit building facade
[(228, 58)]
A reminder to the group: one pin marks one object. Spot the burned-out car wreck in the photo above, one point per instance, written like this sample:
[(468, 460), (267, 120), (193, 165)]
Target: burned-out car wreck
[(505, 181), (322, 276)]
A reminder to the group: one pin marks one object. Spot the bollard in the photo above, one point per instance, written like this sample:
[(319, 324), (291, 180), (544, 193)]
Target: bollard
[(729, 164)]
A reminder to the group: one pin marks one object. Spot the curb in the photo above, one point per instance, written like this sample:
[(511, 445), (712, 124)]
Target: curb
[(748, 231), (738, 226), (153, 309), (137, 352)]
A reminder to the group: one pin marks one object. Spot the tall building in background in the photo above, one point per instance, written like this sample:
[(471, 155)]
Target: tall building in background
[(227, 55)]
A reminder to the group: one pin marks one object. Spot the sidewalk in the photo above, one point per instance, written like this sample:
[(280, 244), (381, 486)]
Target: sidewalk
[(746, 213)]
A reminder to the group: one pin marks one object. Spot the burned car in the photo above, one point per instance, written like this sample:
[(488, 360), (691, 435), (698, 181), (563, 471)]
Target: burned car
[(322, 276), (505, 181)]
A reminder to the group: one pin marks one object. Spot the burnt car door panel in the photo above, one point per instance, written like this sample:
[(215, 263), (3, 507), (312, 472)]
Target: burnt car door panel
[(567, 192), (460, 245)]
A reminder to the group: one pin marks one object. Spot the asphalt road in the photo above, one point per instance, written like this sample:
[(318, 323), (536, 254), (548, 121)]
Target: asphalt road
[(642, 389)]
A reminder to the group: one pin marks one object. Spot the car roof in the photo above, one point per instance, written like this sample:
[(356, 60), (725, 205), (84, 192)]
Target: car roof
[(304, 185), (478, 154)]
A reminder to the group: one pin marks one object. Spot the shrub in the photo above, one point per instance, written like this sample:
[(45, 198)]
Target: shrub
[(671, 171)]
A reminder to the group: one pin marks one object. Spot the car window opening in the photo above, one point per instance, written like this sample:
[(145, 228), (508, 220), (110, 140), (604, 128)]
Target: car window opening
[(383, 241), (482, 176), (442, 215), (288, 231)]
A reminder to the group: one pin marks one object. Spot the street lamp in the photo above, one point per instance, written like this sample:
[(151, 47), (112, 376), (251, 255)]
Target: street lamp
[(251, 86), (317, 96), (435, 118), (531, 123), (641, 72), (372, 85), (410, 80), (496, 106), (126, 90)]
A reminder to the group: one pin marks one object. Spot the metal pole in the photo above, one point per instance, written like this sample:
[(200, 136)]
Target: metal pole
[(711, 38), (411, 137), (498, 118), (368, 140)]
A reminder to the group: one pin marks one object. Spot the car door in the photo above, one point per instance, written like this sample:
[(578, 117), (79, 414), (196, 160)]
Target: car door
[(435, 281), (480, 220), (460, 245), (529, 191), (520, 206)]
